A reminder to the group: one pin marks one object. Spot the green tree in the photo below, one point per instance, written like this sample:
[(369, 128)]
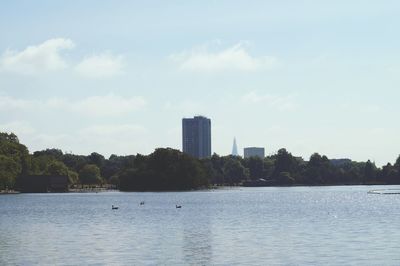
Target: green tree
[(57, 168), (14, 159), (317, 171), (269, 167), (39, 164), (255, 166), (74, 162), (164, 169), (284, 162), (234, 171), (53, 153), (9, 137), (397, 163), (73, 177), (210, 170), (9, 170), (90, 174), (284, 178), (96, 158), (370, 172), (218, 166)]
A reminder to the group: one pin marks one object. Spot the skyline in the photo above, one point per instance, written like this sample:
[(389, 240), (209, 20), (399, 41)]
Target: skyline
[(110, 77)]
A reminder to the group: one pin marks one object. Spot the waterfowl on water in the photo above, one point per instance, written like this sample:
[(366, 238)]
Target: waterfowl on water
[(114, 207), (178, 206)]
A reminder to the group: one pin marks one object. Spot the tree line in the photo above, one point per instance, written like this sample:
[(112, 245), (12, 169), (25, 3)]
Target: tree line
[(170, 169)]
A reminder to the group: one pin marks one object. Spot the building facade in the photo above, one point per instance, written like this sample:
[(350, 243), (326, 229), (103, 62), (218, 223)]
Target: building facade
[(196, 136), (254, 152)]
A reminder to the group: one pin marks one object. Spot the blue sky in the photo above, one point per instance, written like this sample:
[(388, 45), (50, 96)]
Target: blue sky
[(118, 76)]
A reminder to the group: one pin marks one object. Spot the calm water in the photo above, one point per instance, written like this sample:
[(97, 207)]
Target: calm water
[(243, 226)]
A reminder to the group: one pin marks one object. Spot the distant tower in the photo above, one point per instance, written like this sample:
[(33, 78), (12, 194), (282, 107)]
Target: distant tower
[(196, 136), (234, 148)]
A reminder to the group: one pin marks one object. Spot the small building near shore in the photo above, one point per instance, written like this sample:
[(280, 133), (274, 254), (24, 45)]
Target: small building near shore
[(42, 183)]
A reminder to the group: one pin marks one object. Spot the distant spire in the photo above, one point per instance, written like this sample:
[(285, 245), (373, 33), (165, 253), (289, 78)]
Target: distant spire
[(234, 148)]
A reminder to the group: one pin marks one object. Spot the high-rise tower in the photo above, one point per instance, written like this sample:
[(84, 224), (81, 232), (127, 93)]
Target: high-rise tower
[(196, 136), (234, 148)]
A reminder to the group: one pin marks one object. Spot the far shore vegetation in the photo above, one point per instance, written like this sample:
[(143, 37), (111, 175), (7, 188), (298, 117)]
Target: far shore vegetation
[(171, 170)]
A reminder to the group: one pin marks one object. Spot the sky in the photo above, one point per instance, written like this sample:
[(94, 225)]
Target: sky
[(117, 77)]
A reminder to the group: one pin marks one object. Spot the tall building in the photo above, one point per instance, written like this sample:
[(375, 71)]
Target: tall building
[(234, 148), (196, 136), (254, 152)]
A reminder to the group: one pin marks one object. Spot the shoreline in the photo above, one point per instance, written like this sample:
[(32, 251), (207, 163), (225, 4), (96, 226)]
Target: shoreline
[(103, 190), (9, 192), (91, 190)]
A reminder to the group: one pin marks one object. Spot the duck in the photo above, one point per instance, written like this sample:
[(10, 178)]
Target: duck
[(178, 206), (114, 207), (142, 203)]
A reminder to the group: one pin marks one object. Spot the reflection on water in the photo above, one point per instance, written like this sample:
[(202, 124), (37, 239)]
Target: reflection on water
[(243, 226), (197, 239)]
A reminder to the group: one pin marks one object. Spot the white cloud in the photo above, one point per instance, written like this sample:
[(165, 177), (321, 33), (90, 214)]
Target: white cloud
[(108, 105), (185, 107), (122, 130), (47, 57), (234, 58), (36, 59), (369, 108), (101, 66), (42, 141), (105, 105), (105, 138), (113, 138), (281, 103), (8, 103), (18, 127)]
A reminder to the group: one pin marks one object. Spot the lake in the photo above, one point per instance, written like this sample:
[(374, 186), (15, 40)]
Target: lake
[(234, 226)]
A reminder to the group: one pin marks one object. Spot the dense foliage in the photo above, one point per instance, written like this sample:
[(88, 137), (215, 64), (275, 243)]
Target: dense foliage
[(165, 169), (14, 160), (169, 169)]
